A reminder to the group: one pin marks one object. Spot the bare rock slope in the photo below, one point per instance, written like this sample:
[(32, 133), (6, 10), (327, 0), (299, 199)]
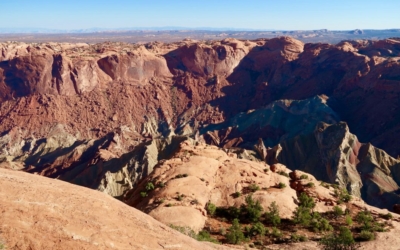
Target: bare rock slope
[(41, 213)]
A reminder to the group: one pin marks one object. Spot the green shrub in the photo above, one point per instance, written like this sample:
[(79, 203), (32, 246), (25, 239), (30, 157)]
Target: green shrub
[(205, 236), (310, 185), (202, 236), (235, 234), (324, 184), (283, 173), (253, 187), (366, 235), (302, 216), (297, 238), (387, 216), (276, 232), (335, 186), (180, 197), (343, 240), (265, 170), (143, 194), (149, 186), (211, 208), (257, 229), (320, 225), (161, 184), (365, 218), (184, 230), (349, 221), (306, 201), (234, 212), (253, 209), (303, 177), (272, 216), (281, 185), (237, 194), (337, 211), (343, 195), (378, 227)]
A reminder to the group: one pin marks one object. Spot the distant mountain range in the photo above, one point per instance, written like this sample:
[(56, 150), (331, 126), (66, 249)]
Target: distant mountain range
[(94, 30), (165, 28)]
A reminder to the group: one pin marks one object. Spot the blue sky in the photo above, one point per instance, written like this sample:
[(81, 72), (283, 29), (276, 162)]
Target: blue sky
[(253, 14)]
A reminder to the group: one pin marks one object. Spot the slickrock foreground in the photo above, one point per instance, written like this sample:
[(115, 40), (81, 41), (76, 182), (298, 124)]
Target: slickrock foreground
[(42, 213)]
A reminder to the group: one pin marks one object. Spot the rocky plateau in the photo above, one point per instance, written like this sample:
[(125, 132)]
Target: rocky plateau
[(227, 114)]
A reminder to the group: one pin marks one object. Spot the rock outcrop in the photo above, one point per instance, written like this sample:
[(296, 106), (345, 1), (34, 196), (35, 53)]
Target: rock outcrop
[(41, 213), (179, 189), (334, 155), (274, 123)]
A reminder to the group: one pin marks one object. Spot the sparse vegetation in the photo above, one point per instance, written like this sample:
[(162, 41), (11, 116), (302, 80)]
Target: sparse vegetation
[(180, 197), (281, 185), (253, 209), (303, 177), (365, 219), (324, 184), (181, 176), (254, 187), (261, 228), (184, 230), (143, 194), (320, 224), (276, 232), (235, 234), (349, 221), (337, 211), (205, 236), (149, 187), (302, 216), (272, 216), (310, 185), (258, 229), (211, 209), (237, 194), (343, 195), (202, 236), (297, 238), (306, 201), (283, 173), (387, 216), (303, 213), (343, 240), (366, 235)]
